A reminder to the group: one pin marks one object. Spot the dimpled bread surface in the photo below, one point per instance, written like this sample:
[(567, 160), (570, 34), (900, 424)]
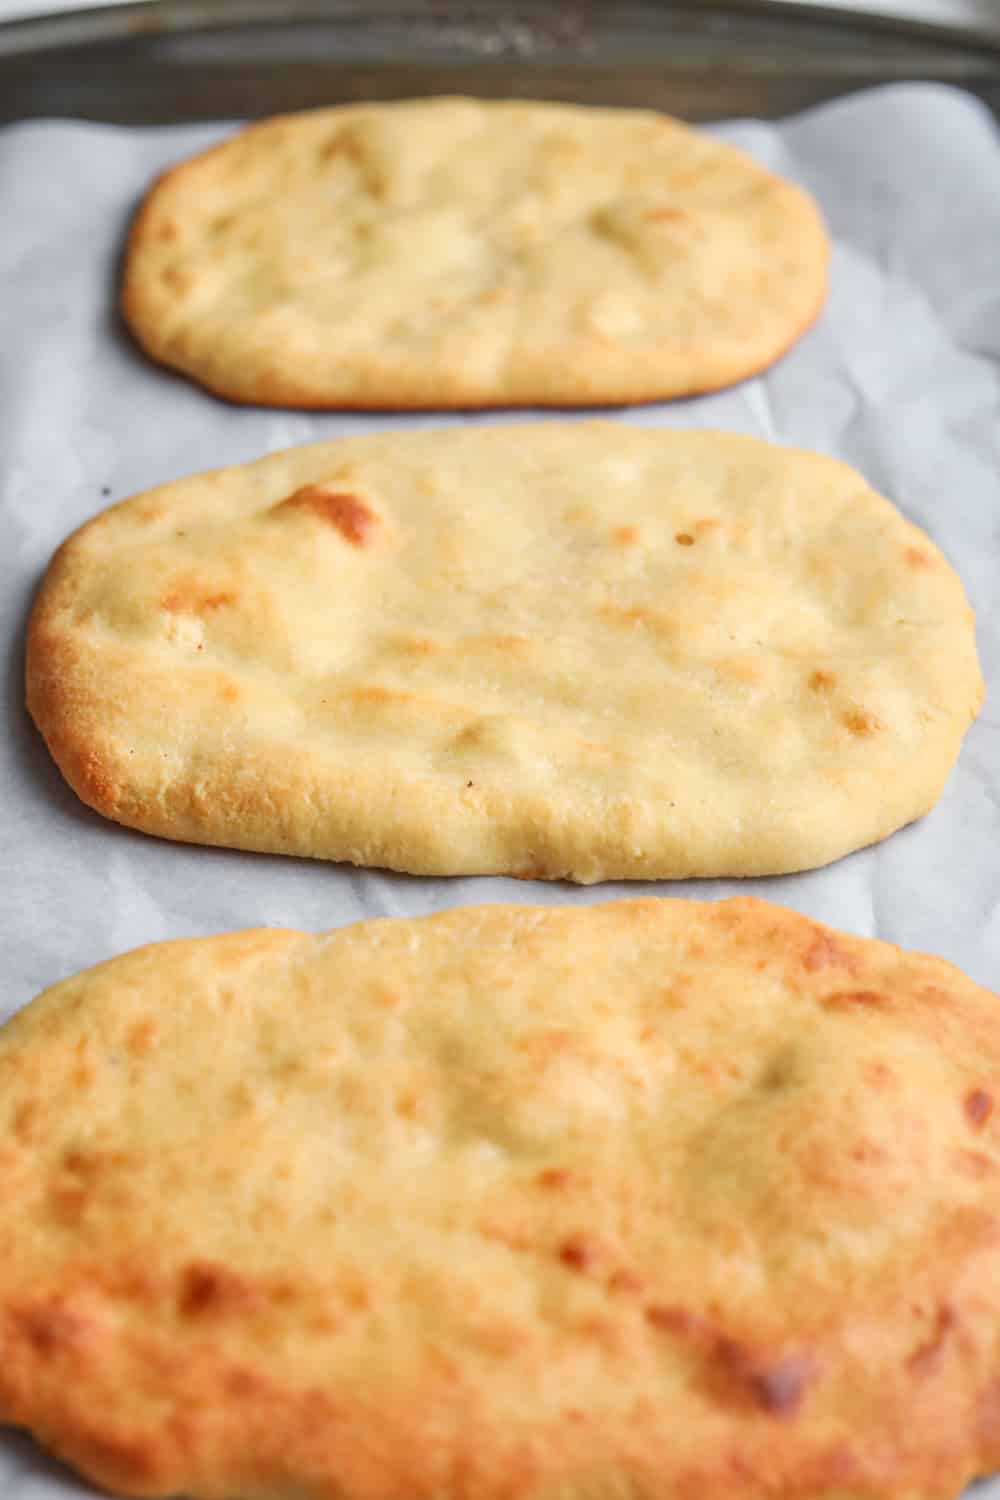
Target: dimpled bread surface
[(654, 1199), (452, 252), (584, 651)]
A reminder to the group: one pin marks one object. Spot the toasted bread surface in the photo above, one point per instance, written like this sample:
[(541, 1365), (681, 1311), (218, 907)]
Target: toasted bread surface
[(645, 1199), (563, 650)]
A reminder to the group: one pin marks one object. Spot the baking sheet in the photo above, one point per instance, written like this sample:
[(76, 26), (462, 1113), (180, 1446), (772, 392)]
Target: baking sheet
[(901, 378)]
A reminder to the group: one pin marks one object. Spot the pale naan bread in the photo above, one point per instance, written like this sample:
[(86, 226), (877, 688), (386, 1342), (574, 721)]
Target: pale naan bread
[(656, 1199), (453, 252), (587, 651)]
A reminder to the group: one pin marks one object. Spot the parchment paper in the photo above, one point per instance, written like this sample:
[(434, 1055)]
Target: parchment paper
[(901, 378)]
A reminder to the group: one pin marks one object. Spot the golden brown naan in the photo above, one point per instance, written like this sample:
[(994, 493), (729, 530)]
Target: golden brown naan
[(587, 651), (654, 1199)]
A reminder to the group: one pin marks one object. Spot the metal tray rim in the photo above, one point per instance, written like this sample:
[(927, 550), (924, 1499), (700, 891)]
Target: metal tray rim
[(66, 26)]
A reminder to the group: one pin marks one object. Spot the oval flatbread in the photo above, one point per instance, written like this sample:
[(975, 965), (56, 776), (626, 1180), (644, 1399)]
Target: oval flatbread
[(655, 1199), (457, 253), (581, 651)]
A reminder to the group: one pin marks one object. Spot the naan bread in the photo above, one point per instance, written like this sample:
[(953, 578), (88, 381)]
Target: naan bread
[(457, 253), (655, 1199), (583, 651)]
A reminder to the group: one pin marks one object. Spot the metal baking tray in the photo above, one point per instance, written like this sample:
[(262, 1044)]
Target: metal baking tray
[(179, 60)]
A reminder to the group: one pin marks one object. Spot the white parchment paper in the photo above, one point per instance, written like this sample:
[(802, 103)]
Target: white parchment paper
[(901, 378)]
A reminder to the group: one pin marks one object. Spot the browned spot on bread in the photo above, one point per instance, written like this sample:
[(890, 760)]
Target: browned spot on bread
[(675, 1320), (652, 619), (178, 281), (84, 1077), (51, 1328), (822, 682), (341, 144), (867, 1153), (188, 597), (625, 536), (618, 616), (344, 512), (325, 1323), (684, 539), (502, 1339), (94, 1165), (229, 692), (916, 558), (927, 1356), (26, 1122), (67, 1205), (356, 1293), (283, 1292), (121, 1463), (379, 696), (419, 647), (824, 952), (86, 1175), (409, 1106), (978, 1107), (860, 722), (879, 1075), (245, 1385), (936, 996), (706, 526), (555, 1179), (776, 1387), (128, 1280), (209, 1290), (580, 1253), (512, 643), (142, 1036), (740, 669), (167, 230), (667, 215), (852, 999), (625, 1281)]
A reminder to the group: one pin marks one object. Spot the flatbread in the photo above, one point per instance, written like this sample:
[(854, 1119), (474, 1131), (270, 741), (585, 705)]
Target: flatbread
[(654, 1199), (458, 253), (583, 651)]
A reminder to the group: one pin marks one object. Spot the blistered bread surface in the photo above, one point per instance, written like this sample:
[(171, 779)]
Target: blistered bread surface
[(581, 651), (652, 1199)]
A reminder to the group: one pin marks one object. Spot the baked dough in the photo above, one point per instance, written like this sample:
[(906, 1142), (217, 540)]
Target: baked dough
[(585, 651), (458, 253), (654, 1199)]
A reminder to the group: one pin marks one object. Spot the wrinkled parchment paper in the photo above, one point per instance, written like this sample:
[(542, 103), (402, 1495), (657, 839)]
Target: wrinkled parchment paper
[(901, 378)]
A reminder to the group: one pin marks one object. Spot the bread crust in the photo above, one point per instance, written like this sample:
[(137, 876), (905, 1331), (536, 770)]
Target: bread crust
[(582, 651), (515, 1203), (615, 336)]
